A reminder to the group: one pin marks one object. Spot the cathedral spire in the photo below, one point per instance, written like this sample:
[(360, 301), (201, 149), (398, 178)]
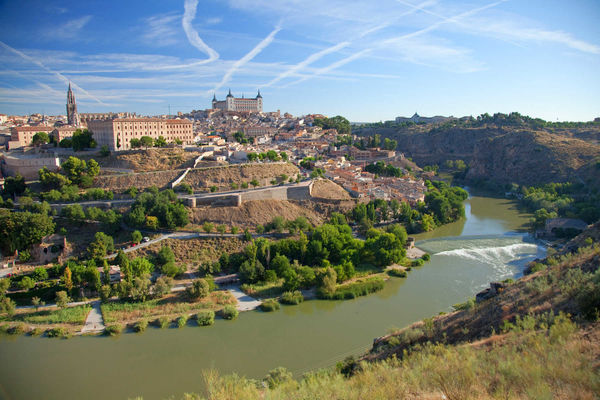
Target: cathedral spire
[(72, 115)]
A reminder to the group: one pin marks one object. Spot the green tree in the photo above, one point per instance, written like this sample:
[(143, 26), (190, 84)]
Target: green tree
[(52, 180), (221, 229), (18, 231), (141, 266), (36, 302), (208, 227), (140, 290), (328, 285), (62, 299), (102, 245), (146, 141), (40, 138), (198, 290), (14, 185), (104, 151), (7, 306), (136, 236), (254, 183), (67, 278), (165, 255), (135, 143), (160, 142), (40, 274), (26, 283), (82, 140), (163, 286)]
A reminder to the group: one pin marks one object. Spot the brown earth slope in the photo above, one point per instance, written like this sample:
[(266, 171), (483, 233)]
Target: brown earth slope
[(200, 178), (147, 160), (223, 177)]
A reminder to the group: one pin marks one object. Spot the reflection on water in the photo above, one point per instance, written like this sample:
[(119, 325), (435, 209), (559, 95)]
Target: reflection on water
[(466, 256)]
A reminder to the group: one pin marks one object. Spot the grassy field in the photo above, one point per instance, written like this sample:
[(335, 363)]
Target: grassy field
[(553, 363), (71, 315), (175, 305)]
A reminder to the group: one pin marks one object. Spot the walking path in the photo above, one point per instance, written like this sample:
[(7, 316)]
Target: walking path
[(245, 302), (94, 321)]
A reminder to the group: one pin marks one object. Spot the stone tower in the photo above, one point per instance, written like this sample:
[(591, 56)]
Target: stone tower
[(72, 115)]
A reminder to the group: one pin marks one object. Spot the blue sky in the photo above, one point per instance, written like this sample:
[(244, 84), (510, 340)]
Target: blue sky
[(366, 60)]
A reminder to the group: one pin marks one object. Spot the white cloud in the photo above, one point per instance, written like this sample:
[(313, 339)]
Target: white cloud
[(160, 30), (70, 29), (213, 21)]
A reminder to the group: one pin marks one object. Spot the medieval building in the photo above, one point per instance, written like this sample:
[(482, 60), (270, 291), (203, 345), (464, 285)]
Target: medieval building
[(238, 104)]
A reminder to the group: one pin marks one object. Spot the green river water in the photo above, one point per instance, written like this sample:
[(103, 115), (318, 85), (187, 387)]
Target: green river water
[(486, 246)]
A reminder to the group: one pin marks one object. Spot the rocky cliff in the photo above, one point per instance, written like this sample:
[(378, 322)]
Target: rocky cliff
[(504, 154)]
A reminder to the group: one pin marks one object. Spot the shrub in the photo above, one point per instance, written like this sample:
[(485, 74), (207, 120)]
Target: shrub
[(198, 290), (269, 305), (397, 272), (277, 376), (292, 298), (141, 325), (59, 331), (24, 256), (417, 263), (18, 329), (426, 257), (37, 331), (182, 321), (205, 318), (354, 289), (163, 322), (114, 330), (229, 312)]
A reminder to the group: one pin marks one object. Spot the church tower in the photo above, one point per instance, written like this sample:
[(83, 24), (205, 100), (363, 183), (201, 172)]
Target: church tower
[(72, 115)]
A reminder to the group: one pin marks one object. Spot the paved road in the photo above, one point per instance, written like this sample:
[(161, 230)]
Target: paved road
[(94, 321)]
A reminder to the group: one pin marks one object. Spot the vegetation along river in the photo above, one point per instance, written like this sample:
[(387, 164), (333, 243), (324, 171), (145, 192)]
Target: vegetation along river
[(488, 245)]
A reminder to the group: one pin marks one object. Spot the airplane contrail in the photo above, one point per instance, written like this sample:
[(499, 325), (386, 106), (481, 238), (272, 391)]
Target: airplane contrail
[(189, 14), (57, 74), (332, 49), (432, 27), (251, 54)]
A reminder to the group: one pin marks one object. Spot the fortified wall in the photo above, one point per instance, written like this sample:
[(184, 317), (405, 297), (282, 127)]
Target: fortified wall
[(302, 191)]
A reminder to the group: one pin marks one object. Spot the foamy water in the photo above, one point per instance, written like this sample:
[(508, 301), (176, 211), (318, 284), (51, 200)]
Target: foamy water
[(502, 253)]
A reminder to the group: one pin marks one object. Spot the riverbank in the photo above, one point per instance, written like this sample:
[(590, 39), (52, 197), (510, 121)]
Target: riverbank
[(465, 257)]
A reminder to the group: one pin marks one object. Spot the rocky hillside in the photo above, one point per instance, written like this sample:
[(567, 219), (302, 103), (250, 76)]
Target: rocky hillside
[(564, 284), (504, 154)]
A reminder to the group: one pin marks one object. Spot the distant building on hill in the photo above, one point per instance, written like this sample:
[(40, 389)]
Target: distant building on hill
[(416, 118), (238, 104)]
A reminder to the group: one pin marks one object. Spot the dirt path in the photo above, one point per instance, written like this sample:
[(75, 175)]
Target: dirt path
[(94, 322), (245, 302)]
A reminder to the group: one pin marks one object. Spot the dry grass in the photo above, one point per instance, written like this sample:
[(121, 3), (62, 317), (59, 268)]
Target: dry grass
[(171, 306)]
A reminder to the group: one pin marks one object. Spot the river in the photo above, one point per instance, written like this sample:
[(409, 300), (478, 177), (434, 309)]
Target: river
[(488, 245)]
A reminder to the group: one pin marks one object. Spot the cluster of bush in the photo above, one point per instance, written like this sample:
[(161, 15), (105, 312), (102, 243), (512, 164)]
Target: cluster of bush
[(327, 256), (443, 204), (72, 193), (270, 155), (154, 210), (74, 171), (570, 200), (279, 224)]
